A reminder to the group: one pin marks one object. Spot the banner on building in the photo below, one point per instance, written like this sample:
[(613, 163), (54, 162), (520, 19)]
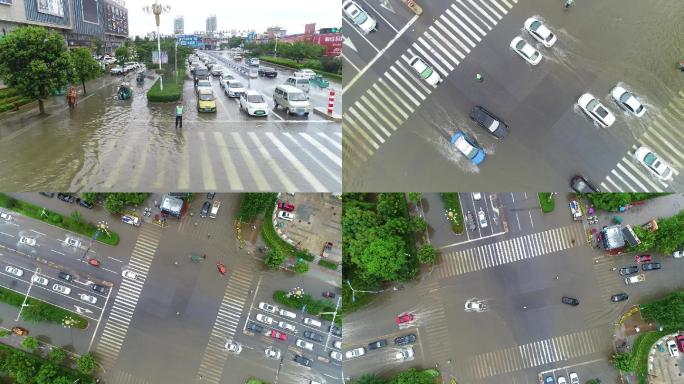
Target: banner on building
[(164, 57)]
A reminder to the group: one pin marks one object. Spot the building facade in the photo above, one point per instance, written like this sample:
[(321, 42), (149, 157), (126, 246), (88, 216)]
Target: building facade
[(211, 25), (80, 21), (178, 25)]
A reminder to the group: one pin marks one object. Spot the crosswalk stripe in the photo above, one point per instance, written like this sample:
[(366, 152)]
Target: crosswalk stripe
[(667, 154), (433, 63), (641, 174), (254, 169), (208, 175), (228, 164), (363, 123), (502, 9), (407, 71), (386, 95), (478, 16), (310, 178), (336, 144), (622, 180), (445, 42), (465, 27), (463, 46), (379, 115), (405, 80), (320, 147), (278, 171), (351, 122), (349, 134), (436, 51), (408, 95), (370, 92)]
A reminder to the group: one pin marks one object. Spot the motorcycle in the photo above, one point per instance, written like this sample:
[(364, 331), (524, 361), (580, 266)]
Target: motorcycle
[(417, 9)]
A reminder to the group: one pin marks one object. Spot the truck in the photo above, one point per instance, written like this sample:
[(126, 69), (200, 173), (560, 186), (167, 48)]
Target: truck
[(635, 279), (214, 209)]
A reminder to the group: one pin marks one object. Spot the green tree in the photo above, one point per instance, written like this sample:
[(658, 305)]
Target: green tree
[(369, 378), (419, 224), (412, 376), (275, 258), (30, 343), (391, 205), (383, 259), (668, 311), (47, 373), (234, 42), (612, 201), (90, 197), (97, 45), (122, 54), (62, 380), (415, 197), (254, 204), (427, 254), (396, 226), (56, 355), (624, 362), (301, 267), (86, 363), (84, 66), (34, 61), (20, 367), (113, 204)]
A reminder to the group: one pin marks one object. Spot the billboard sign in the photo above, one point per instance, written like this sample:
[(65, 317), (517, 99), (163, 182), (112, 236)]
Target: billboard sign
[(194, 41), (155, 57)]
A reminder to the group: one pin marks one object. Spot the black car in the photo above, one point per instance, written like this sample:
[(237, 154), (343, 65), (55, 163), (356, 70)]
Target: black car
[(100, 288), (377, 344), (626, 271), (470, 221), (65, 197), (569, 301), (254, 327), (581, 185), (650, 266), (210, 195), (619, 297), (335, 330), (489, 121), (406, 339), (65, 276), (267, 72), (205, 209), (85, 204), (48, 194), (313, 336), (303, 360)]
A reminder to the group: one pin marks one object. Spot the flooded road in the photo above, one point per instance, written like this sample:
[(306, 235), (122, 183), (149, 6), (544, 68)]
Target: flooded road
[(130, 145)]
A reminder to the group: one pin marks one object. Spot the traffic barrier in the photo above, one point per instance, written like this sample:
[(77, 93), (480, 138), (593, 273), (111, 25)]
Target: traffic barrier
[(331, 102)]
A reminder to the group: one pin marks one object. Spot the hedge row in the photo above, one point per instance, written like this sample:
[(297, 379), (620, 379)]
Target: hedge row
[(313, 306), (173, 89), (56, 219), (272, 239), (7, 106), (40, 310), (453, 202), (327, 264), (295, 65)]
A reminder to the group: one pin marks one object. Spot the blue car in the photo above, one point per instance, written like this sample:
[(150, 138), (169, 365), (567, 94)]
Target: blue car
[(468, 146)]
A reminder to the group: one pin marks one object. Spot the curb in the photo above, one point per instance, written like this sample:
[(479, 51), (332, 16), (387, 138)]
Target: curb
[(320, 111)]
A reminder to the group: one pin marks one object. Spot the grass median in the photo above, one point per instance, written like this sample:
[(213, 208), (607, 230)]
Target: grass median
[(74, 223), (547, 202), (173, 89), (313, 307), (452, 205), (640, 349), (37, 310)]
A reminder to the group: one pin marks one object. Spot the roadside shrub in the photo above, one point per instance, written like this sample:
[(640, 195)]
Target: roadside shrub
[(327, 264)]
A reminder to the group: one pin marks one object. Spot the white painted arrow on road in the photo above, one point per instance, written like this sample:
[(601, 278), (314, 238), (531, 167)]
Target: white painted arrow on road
[(386, 4), (82, 310), (347, 41)]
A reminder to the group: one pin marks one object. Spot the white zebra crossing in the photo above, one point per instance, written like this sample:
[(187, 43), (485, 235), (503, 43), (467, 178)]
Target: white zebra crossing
[(399, 92), (122, 377), (126, 300), (509, 251), (537, 353), (227, 321), (663, 137)]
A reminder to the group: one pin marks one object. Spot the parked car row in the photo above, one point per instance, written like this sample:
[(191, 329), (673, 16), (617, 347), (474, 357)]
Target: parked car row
[(127, 67), (63, 289)]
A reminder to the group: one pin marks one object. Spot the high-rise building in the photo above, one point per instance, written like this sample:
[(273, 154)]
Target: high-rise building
[(178, 25), (211, 25)]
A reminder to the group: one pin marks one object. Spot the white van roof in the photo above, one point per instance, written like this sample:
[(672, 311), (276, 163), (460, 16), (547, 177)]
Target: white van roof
[(289, 88)]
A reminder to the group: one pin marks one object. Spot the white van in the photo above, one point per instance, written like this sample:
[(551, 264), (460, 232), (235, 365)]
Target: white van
[(312, 322), (292, 99), (299, 82)]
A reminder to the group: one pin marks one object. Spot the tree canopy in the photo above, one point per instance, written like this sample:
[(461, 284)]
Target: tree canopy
[(83, 65), (668, 311), (34, 61), (254, 204), (613, 201)]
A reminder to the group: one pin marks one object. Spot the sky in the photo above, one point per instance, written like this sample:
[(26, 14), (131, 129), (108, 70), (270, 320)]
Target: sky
[(236, 14)]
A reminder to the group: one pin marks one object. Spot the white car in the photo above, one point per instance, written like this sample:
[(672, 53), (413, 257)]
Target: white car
[(254, 103), (477, 196), (594, 109), (118, 70), (540, 32), (27, 241), (286, 313), (404, 354), (672, 348), (336, 355), (61, 289), (359, 16), (337, 344), (224, 81), (267, 307), (264, 319), (272, 353), (305, 73), (360, 351), (312, 322), (287, 326), (474, 306), (425, 71), (15, 271), (655, 164), (233, 347), (285, 215), (39, 280), (561, 380), (88, 298), (678, 254), (574, 379), (127, 273), (304, 344), (482, 218), (628, 101), (526, 51), (5, 216), (234, 88), (73, 242), (132, 220)]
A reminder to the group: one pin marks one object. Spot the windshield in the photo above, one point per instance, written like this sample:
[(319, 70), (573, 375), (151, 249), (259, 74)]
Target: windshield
[(236, 84), (203, 83), (427, 72), (255, 99), (360, 18), (650, 158), (297, 96), (206, 96), (201, 71)]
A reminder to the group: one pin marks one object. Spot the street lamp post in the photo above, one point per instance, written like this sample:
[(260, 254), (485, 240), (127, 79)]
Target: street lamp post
[(275, 50), (157, 9), (357, 290)]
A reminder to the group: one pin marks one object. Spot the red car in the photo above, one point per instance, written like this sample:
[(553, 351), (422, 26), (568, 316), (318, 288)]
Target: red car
[(286, 206), (221, 268), (278, 335), (642, 258), (94, 262), (680, 342), (405, 318)]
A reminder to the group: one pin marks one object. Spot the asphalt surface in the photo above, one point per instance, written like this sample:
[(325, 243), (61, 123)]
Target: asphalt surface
[(396, 125), (523, 333), (131, 145)]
